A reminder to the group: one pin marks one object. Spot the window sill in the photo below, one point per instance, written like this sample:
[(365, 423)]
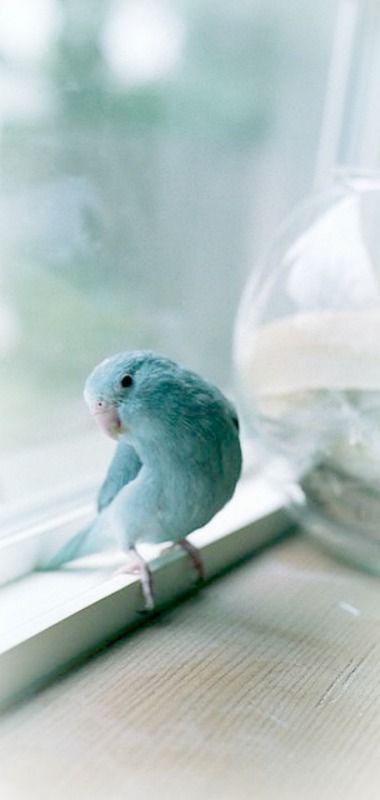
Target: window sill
[(40, 637)]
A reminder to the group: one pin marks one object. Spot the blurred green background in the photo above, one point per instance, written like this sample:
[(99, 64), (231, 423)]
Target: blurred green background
[(148, 152)]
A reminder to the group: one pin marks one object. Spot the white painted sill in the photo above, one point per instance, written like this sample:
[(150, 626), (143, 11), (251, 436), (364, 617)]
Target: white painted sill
[(50, 620)]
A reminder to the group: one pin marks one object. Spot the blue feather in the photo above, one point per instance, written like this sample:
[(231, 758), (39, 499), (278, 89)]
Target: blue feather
[(178, 458), (123, 468), (92, 539)]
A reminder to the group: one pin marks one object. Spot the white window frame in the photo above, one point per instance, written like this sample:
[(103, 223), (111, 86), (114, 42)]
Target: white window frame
[(36, 649)]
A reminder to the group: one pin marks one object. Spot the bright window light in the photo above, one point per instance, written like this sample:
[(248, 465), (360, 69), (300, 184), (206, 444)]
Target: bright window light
[(142, 41), (28, 27)]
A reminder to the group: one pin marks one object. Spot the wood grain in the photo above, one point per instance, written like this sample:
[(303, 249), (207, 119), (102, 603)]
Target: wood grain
[(265, 685)]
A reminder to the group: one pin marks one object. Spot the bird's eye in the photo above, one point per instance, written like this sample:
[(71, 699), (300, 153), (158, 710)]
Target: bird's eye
[(126, 381)]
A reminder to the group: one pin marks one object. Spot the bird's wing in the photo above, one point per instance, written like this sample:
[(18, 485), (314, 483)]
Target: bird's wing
[(232, 413), (212, 433), (124, 467)]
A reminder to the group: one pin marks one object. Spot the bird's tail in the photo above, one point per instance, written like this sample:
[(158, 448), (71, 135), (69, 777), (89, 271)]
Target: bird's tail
[(88, 541)]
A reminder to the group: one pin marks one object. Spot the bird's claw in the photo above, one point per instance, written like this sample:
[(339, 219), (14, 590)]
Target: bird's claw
[(139, 567), (195, 558)]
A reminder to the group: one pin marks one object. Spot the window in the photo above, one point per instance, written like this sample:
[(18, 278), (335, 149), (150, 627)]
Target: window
[(148, 153), (149, 150)]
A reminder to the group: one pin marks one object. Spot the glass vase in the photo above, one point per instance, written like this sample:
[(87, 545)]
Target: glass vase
[(307, 353)]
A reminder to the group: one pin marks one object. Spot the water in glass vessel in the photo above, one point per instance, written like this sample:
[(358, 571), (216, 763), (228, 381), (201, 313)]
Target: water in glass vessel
[(307, 350)]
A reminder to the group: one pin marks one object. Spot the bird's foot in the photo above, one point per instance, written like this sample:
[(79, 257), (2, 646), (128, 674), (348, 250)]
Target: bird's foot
[(195, 558), (137, 566)]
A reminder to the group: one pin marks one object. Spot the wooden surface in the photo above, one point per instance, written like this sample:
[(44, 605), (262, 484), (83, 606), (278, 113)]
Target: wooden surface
[(265, 685)]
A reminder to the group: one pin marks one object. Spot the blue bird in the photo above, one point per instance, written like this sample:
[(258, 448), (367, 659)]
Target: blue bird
[(176, 464)]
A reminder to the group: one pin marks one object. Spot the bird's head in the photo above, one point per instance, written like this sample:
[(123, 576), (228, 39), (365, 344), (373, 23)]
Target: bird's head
[(120, 390)]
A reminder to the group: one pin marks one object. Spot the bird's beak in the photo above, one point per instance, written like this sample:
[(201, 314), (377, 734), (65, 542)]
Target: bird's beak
[(107, 417)]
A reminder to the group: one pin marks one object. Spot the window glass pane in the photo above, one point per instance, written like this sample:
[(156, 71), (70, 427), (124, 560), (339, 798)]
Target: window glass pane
[(148, 150)]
